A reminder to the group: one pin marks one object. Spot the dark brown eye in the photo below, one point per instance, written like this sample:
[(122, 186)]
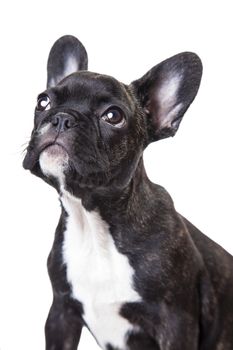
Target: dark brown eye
[(114, 116), (43, 103)]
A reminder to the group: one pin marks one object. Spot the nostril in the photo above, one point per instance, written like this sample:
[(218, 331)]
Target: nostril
[(55, 121), (67, 123)]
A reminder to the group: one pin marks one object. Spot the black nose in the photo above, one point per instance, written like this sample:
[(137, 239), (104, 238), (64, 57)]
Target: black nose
[(63, 121)]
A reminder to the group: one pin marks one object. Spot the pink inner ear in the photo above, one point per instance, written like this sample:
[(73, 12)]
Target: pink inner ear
[(71, 66), (166, 91), (163, 104)]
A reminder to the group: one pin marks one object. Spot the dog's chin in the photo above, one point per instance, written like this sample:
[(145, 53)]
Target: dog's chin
[(57, 164), (54, 161)]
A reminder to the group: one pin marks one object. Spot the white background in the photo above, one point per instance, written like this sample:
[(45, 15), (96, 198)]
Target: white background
[(123, 39)]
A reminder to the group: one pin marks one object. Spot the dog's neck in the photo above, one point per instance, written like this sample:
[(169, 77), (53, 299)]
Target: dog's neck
[(113, 197), (129, 203)]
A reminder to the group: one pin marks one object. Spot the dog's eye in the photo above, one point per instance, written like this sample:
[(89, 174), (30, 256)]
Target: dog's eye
[(114, 116), (43, 103)]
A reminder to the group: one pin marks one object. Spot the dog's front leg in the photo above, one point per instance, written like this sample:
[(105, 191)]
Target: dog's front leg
[(178, 337), (169, 327), (63, 326)]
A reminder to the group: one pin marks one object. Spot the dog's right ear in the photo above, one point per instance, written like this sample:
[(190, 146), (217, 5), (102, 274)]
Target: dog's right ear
[(68, 55)]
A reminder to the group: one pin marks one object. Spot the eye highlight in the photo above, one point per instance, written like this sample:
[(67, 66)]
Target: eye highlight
[(43, 103), (114, 116)]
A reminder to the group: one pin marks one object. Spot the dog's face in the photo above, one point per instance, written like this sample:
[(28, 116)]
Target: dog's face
[(90, 130)]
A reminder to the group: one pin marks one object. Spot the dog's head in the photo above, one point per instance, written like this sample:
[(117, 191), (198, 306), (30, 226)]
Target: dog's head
[(90, 129)]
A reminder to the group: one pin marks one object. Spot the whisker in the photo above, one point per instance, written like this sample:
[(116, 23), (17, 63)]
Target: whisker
[(23, 148), (22, 152)]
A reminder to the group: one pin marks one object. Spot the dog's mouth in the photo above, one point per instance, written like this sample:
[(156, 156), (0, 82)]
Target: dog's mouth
[(53, 150), (57, 157)]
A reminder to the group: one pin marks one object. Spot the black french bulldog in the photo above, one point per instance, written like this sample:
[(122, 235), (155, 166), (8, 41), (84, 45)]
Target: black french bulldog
[(124, 263)]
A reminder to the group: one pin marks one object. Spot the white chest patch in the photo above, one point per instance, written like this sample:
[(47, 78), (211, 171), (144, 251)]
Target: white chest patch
[(100, 276)]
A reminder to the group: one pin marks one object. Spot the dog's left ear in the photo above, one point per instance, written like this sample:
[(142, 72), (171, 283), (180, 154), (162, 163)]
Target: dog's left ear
[(166, 91), (68, 55)]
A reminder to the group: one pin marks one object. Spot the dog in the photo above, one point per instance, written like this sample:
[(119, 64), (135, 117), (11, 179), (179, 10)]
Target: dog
[(124, 263)]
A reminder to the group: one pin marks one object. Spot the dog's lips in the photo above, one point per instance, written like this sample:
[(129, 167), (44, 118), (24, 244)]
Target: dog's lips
[(30, 159), (54, 149)]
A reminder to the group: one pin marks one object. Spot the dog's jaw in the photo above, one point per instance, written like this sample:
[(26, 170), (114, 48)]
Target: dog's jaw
[(53, 162)]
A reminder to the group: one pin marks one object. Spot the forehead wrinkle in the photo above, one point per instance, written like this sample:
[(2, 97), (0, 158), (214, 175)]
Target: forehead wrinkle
[(89, 96)]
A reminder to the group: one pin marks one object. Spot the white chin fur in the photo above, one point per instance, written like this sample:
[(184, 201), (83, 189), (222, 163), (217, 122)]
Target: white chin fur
[(53, 161)]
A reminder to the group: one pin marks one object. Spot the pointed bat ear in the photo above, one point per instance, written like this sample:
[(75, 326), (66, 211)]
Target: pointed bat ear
[(166, 92), (68, 55)]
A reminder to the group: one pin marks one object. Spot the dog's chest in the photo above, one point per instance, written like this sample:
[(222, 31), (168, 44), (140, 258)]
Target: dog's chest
[(100, 277)]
